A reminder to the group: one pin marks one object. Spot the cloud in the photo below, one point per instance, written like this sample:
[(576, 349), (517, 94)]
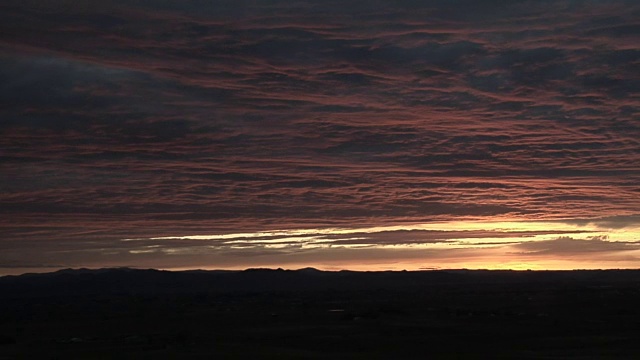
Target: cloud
[(156, 118), (609, 222), (568, 246)]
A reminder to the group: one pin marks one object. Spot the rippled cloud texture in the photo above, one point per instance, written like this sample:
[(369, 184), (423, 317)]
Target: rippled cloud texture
[(163, 119)]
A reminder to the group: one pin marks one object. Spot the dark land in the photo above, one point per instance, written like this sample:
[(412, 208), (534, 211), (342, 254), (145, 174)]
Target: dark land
[(311, 314)]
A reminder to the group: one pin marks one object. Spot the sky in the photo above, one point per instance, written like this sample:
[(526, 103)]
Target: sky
[(364, 135)]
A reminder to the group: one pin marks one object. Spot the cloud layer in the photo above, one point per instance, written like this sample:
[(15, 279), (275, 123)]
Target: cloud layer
[(162, 118)]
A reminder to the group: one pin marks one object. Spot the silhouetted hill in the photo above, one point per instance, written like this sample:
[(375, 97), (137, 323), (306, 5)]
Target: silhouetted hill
[(149, 281), (310, 314)]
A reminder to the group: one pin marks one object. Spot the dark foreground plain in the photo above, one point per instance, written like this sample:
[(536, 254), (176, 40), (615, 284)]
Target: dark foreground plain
[(310, 314)]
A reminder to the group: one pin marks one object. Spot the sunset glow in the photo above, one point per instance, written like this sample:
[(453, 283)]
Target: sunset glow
[(482, 245)]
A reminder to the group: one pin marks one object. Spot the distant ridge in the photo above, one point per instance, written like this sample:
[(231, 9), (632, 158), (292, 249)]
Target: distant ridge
[(308, 270), (151, 281)]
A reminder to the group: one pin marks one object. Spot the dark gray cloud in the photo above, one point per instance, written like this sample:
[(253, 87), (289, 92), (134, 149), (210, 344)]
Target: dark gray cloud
[(568, 246), (164, 118), (609, 222)]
